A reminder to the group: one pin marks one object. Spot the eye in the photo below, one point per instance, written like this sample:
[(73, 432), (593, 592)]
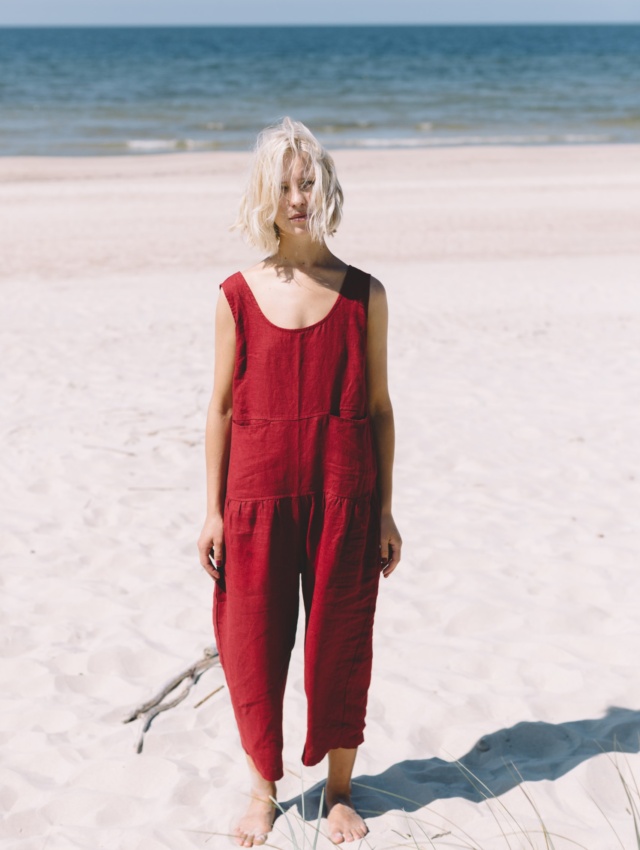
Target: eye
[(307, 184)]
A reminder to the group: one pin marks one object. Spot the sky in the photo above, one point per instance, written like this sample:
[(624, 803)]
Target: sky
[(96, 12)]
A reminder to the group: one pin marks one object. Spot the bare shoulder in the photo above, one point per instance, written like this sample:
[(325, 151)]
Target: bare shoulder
[(376, 289), (255, 272), (256, 267), (377, 299)]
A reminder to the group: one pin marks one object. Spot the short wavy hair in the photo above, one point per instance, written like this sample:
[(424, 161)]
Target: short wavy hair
[(259, 203)]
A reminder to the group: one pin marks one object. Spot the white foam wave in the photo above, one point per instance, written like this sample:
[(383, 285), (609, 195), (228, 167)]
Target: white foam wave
[(440, 141), (148, 145), (151, 144)]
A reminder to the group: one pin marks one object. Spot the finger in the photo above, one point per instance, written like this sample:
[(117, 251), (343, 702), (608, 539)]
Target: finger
[(213, 573), (215, 565), (218, 549), (204, 547), (393, 563)]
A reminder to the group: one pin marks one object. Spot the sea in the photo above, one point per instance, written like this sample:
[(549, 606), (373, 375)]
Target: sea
[(69, 91)]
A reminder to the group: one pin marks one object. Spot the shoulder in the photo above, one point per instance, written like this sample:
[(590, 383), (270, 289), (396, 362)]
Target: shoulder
[(230, 296), (377, 291), (371, 293), (377, 296), (230, 282), (253, 272), (378, 311)]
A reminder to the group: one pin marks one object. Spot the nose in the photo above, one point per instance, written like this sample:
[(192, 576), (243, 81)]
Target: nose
[(295, 196)]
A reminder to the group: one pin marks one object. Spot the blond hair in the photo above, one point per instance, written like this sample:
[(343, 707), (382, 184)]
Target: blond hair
[(259, 203)]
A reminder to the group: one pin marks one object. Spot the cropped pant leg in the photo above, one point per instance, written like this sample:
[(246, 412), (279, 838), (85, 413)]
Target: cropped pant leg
[(340, 587), (255, 613)]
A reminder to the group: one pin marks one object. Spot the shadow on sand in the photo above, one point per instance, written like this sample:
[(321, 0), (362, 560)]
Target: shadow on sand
[(538, 750)]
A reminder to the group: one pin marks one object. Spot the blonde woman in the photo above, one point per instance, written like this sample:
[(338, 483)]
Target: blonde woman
[(299, 453)]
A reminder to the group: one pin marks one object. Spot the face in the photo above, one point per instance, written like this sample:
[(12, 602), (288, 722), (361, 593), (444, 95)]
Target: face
[(295, 197)]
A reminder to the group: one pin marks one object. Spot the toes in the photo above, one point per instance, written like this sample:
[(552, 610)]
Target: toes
[(337, 837)]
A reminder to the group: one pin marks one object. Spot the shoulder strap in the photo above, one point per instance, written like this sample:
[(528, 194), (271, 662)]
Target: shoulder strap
[(358, 286), (231, 289)]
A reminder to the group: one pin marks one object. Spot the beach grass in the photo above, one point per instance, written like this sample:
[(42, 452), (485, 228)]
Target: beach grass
[(420, 833)]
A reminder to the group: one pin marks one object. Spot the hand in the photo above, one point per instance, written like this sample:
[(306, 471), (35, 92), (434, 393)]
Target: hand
[(211, 541), (390, 544)]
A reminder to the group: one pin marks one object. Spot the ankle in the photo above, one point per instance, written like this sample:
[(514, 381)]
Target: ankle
[(264, 792), (337, 794)]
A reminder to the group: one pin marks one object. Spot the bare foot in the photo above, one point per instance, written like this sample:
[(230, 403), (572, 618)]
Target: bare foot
[(252, 828), (345, 824)]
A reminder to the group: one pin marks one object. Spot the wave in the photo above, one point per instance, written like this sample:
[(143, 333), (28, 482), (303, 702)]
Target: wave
[(379, 142), (444, 141), (342, 126), (150, 145), (430, 126)]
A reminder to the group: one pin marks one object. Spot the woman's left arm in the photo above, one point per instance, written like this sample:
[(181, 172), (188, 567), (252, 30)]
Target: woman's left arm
[(381, 413)]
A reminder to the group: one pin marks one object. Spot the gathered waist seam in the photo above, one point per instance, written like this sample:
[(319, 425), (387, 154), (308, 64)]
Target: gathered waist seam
[(301, 496), (261, 419)]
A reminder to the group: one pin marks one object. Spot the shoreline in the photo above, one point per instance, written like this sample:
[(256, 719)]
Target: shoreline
[(354, 149), (173, 147)]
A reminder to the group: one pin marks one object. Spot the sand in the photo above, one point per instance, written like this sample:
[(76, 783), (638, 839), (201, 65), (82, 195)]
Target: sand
[(509, 633)]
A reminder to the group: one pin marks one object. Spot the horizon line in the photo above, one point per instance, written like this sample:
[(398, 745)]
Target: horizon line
[(98, 25)]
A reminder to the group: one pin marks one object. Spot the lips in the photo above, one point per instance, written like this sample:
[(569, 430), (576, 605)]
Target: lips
[(300, 217)]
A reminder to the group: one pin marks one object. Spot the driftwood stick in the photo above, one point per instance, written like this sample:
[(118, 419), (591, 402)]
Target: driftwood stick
[(150, 709), (193, 672)]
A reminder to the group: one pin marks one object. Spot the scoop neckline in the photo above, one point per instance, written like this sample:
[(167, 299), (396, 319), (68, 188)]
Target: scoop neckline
[(334, 307)]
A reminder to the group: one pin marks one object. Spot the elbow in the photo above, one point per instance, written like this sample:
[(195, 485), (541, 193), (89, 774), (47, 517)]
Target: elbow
[(381, 409), (221, 407)]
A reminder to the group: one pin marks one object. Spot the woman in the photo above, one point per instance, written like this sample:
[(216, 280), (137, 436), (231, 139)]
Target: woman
[(299, 451)]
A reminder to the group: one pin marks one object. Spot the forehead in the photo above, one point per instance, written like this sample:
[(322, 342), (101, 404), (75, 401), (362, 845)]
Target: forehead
[(296, 165)]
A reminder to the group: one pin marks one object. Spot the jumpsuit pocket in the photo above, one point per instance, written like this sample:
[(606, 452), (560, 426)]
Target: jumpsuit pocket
[(350, 459), (273, 458), (262, 462)]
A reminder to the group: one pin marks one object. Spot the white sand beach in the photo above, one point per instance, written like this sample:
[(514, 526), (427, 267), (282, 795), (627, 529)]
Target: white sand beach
[(509, 634)]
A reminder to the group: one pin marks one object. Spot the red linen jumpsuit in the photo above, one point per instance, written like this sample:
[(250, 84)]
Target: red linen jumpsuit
[(301, 504)]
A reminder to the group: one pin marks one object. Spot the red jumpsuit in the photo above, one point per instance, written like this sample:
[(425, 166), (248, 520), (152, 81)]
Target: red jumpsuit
[(301, 506)]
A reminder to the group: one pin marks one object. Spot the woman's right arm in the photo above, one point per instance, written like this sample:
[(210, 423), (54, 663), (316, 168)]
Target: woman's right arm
[(218, 436)]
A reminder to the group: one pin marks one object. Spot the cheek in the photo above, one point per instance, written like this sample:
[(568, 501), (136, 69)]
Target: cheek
[(282, 208)]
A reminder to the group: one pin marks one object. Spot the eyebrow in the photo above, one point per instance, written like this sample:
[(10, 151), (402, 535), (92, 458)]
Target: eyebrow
[(309, 178)]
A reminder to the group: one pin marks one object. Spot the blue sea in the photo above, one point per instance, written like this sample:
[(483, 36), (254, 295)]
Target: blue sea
[(118, 90)]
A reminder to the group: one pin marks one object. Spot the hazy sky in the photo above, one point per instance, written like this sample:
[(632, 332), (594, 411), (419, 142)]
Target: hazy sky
[(51, 12)]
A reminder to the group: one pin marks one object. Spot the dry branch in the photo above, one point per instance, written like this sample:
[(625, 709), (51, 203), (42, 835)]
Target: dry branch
[(153, 707)]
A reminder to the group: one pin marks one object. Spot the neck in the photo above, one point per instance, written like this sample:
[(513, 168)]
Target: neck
[(302, 251)]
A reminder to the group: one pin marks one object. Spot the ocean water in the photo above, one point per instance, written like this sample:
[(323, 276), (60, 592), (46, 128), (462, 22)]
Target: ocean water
[(112, 90)]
